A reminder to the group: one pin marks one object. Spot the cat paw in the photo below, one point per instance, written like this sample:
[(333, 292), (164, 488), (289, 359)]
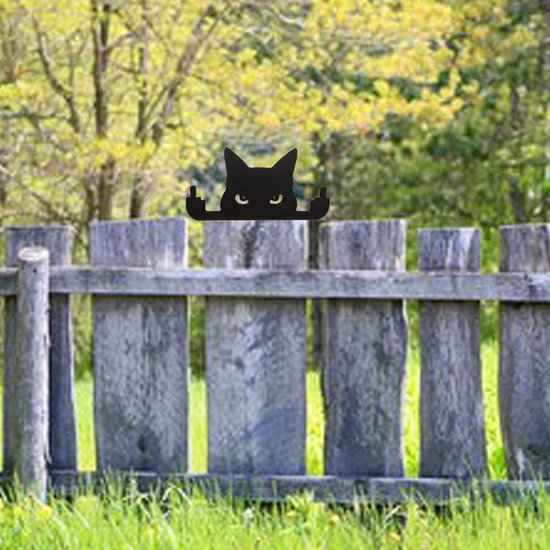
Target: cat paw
[(195, 205), (319, 206)]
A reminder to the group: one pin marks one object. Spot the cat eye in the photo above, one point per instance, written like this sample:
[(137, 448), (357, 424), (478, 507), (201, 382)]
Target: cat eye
[(276, 199), (241, 199)]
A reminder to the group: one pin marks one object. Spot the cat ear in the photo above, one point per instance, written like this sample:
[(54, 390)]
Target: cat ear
[(233, 163), (287, 163)]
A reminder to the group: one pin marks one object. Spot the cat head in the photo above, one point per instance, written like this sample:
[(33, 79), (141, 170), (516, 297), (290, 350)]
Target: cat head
[(261, 191)]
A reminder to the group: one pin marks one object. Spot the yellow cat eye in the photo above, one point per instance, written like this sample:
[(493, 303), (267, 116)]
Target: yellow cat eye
[(276, 199), (241, 199)]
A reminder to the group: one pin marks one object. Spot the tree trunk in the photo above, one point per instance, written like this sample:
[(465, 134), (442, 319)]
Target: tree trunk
[(101, 10), (105, 190), (4, 176), (137, 198), (516, 194), (545, 89)]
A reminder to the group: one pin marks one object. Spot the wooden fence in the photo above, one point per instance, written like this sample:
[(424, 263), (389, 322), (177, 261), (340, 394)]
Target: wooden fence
[(256, 281)]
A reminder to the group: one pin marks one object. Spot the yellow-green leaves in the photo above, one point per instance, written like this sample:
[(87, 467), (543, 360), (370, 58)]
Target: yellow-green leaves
[(173, 82)]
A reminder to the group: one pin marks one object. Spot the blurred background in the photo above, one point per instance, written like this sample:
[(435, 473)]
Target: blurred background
[(434, 111)]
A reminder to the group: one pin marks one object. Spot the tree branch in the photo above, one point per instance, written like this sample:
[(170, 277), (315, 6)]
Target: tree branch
[(66, 94), (185, 61)]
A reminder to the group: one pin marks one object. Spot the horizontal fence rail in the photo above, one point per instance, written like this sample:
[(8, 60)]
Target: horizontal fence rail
[(256, 283), (330, 489), (261, 283)]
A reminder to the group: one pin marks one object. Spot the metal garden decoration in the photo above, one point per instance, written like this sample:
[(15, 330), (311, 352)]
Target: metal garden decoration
[(258, 193)]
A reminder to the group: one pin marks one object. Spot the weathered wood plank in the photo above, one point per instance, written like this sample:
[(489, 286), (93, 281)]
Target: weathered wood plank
[(452, 422), (140, 353), (265, 488), (524, 371), (28, 436), (8, 281), (331, 489), (441, 491), (256, 355), (365, 355), (515, 287), (58, 240), (109, 281)]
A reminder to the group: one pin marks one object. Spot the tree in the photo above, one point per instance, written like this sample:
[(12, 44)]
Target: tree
[(489, 163), (102, 97), (116, 102)]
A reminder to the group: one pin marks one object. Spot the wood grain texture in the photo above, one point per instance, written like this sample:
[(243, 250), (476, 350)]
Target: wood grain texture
[(256, 355), (58, 240), (261, 283), (452, 424), (365, 355), (524, 370), (29, 393), (140, 354)]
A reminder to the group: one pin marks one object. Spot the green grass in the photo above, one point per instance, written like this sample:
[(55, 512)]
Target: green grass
[(176, 520)]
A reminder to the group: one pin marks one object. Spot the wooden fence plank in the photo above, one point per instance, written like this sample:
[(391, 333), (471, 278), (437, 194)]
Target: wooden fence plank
[(256, 355), (263, 488), (109, 281), (452, 424), (58, 240), (332, 489), (524, 371), (140, 353), (29, 391), (8, 282), (365, 355)]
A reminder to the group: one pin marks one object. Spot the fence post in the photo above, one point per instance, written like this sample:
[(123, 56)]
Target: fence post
[(58, 240), (29, 389), (524, 369), (256, 355), (140, 353), (365, 355), (452, 423)]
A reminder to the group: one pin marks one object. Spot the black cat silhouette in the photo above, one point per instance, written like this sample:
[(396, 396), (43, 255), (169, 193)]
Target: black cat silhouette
[(258, 193)]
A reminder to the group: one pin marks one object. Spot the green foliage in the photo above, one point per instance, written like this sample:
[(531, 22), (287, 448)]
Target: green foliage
[(432, 110), (107, 108), (175, 520), (490, 163)]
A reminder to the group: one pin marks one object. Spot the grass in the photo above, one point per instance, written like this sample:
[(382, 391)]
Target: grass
[(176, 520)]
